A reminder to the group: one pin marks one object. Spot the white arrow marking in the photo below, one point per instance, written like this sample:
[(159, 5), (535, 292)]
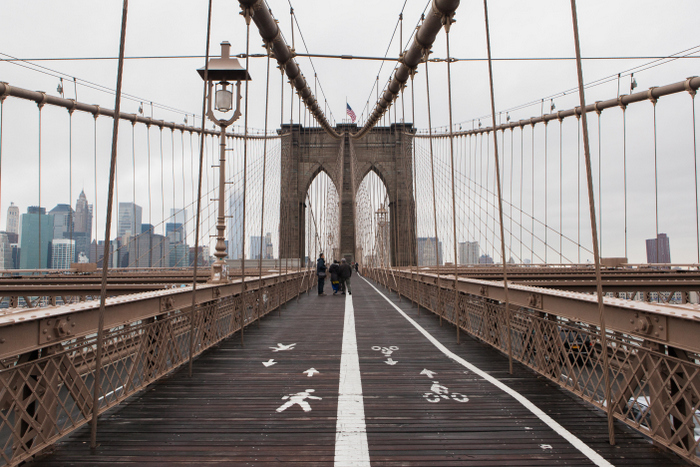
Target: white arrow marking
[(270, 362), (311, 371), (281, 346), (545, 446), (389, 361), (428, 373)]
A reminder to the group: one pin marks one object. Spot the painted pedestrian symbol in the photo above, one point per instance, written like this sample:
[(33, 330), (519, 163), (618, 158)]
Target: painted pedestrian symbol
[(311, 371), (387, 351), (280, 347), (298, 398), (440, 392)]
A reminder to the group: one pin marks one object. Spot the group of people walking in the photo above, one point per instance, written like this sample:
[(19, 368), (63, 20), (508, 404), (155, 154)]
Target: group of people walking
[(340, 275)]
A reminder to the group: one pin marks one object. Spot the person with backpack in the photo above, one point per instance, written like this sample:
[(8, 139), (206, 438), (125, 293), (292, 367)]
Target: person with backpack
[(335, 279), (345, 272)]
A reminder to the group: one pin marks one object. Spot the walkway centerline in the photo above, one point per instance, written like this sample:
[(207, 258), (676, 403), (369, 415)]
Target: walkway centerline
[(351, 446)]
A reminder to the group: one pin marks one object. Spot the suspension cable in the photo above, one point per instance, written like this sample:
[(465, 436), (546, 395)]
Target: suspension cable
[(199, 193), (594, 228), (498, 189), (108, 226)]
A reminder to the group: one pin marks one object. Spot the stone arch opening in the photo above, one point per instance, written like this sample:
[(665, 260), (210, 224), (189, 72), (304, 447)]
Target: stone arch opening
[(322, 217)]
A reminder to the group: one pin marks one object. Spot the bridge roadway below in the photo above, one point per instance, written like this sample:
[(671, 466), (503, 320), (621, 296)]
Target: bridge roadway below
[(233, 410)]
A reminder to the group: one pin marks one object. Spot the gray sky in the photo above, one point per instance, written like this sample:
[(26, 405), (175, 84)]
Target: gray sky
[(536, 28)]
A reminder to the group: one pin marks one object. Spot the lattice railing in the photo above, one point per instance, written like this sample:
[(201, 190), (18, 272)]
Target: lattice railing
[(655, 388), (48, 393)]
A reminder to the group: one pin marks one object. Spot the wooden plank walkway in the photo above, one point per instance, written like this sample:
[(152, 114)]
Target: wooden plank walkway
[(232, 411)]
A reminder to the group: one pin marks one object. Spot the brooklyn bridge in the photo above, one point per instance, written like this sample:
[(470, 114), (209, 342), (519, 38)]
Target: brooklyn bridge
[(514, 186)]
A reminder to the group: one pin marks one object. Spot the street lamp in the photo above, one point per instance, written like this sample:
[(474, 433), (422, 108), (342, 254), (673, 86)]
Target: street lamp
[(222, 71)]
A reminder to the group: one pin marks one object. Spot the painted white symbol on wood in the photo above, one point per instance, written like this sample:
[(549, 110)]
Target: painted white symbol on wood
[(280, 347), (440, 392), (300, 399), (270, 362), (428, 373), (545, 446), (311, 371), (385, 350), (389, 361)]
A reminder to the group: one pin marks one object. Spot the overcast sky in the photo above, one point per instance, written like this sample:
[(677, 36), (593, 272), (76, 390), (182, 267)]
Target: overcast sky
[(519, 29)]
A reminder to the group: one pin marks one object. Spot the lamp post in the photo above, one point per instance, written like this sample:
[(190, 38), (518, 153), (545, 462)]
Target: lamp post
[(222, 71)]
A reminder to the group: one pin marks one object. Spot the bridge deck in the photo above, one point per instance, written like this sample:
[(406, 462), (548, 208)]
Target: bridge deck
[(230, 411)]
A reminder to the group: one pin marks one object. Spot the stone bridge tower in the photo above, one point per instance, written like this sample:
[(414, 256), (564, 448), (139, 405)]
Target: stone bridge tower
[(385, 150)]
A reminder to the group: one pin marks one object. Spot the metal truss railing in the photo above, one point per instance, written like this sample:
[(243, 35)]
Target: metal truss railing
[(46, 392), (655, 377)]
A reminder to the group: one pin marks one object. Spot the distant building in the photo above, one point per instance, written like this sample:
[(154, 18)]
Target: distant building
[(147, 250), (12, 224), (178, 216), (485, 259), (82, 225), (268, 251), (425, 251), (179, 255), (175, 232), (235, 225), (36, 234), (62, 253), (129, 219), (659, 246), (5, 252), (62, 220), (468, 252), (255, 244)]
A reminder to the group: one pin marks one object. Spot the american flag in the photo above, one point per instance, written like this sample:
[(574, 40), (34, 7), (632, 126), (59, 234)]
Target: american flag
[(349, 111)]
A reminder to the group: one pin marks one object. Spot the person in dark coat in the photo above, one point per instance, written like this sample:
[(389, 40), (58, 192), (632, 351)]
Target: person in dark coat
[(357, 267), (335, 280), (345, 273), (321, 273)]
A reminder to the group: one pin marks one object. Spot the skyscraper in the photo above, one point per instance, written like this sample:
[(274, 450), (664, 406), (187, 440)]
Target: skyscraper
[(82, 225), (255, 243), (268, 252), (235, 225), (35, 238), (62, 217), (129, 219), (468, 252), (62, 253), (5, 252), (12, 219), (425, 251), (659, 246)]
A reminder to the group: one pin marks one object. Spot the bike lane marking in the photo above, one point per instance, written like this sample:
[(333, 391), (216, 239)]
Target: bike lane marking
[(351, 446), (586, 450)]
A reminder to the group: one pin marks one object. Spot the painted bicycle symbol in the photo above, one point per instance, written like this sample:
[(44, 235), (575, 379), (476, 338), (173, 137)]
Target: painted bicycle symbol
[(440, 392), (385, 350)]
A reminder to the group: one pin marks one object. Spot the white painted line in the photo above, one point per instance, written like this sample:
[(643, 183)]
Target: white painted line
[(587, 451), (351, 447)]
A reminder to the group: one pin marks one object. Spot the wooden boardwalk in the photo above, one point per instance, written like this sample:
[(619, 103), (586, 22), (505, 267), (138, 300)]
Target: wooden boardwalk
[(233, 411)]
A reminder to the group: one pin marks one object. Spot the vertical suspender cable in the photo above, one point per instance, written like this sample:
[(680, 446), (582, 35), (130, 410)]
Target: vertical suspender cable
[(432, 174), (150, 205), (448, 22), (594, 227), (2, 108), (245, 149), (38, 211), (600, 184), (262, 215), (70, 183), (198, 216), (133, 181), (578, 185), (695, 169), (498, 189), (624, 170), (656, 183), (415, 194), (546, 191), (561, 192), (108, 226)]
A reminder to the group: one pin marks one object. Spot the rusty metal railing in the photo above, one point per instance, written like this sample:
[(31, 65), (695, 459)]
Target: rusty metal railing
[(46, 382), (653, 350)]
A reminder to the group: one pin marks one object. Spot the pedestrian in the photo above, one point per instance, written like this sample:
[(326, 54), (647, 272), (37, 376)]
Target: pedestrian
[(335, 280), (321, 273), (345, 273), (357, 267)]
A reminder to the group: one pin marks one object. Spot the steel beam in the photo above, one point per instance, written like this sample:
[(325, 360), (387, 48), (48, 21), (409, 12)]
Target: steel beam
[(440, 12)]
